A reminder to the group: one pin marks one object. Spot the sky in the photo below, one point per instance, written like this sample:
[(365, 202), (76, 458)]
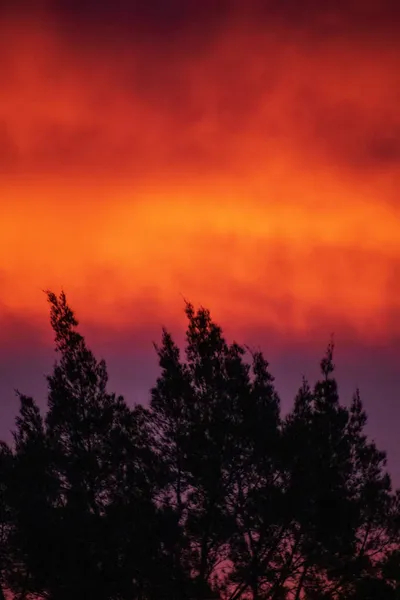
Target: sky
[(244, 155)]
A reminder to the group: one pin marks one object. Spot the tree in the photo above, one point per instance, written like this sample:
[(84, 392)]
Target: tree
[(195, 409), (344, 506), (216, 419), (92, 481)]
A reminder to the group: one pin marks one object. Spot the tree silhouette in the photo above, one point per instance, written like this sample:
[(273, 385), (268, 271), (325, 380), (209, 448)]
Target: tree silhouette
[(89, 526), (344, 506), (193, 408), (208, 493)]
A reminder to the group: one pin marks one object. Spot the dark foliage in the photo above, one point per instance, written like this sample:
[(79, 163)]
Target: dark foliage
[(208, 493)]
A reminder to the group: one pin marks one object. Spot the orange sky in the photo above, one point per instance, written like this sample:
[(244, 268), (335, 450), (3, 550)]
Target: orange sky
[(249, 163)]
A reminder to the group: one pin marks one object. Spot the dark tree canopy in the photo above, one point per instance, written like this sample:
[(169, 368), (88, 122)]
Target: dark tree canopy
[(209, 492)]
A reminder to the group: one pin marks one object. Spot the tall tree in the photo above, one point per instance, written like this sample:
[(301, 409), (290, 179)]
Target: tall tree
[(106, 471), (340, 492), (195, 409), (92, 481)]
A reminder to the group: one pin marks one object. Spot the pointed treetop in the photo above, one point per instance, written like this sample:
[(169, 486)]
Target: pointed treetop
[(327, 364), (63, 321)]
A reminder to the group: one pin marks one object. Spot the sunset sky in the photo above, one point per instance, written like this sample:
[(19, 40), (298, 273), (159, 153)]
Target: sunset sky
[(242, 154)]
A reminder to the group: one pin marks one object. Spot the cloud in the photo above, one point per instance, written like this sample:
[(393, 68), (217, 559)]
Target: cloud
[(80, 97)]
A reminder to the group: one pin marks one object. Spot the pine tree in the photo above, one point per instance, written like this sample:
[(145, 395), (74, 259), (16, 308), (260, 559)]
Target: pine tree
[(89, 526), (344, 508), (194, 407)]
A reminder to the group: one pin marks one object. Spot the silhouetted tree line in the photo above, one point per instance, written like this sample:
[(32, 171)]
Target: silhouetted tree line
[(208, 493)]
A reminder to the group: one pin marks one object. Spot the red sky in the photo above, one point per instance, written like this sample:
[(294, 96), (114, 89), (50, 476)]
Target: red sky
[(246, 158)]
